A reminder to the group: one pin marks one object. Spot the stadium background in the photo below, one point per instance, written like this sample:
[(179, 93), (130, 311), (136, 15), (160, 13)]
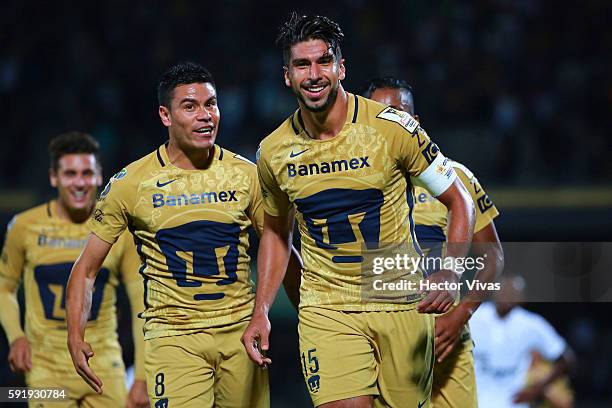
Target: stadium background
[(520, 91)]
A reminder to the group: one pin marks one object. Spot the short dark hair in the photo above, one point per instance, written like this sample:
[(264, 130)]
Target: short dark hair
[(72, 143), (385, 82), (181, 74), (309, 27)]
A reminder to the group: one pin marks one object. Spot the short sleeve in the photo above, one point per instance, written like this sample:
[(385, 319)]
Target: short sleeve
[(130, 264), (416, 153), (110, 217), (546, 340), (13, 253), (256, 210), (485, 209), (275, 201)]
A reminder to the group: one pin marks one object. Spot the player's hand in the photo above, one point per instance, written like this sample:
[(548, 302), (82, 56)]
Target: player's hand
[(81, 352), (20, 355), (138, 398), (530, 393), (255, 339), (448, 330), (439, 301)]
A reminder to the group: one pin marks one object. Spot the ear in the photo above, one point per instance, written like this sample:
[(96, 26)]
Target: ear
[(286, 75), (416, 117), (342, 70), (165, 116), (99, 179), (53, 178)]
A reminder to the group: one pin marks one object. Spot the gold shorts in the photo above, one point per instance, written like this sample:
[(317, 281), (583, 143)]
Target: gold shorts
[(107, 364), (204, 369), (388, 355), (455, 380)]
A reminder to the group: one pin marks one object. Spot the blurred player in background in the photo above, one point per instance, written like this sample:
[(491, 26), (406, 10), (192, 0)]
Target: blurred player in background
[(190, 204), (342, 161), (505, 335), (454, 383), (559, 394), (40, 248)]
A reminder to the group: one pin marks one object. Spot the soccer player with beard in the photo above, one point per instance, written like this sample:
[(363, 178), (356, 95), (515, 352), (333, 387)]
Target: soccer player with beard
[(454, 382), (40, 248), (342, 162), (189, 204)]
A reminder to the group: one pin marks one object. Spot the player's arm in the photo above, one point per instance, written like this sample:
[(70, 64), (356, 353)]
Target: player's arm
[(485, 246), (137, 395), (538, 390), (421, 159), (449, 326), (461, 218), (78, 305), (129, 267), (291, 282), (460, 231), (272, 260), (11, 270), (293, 278)]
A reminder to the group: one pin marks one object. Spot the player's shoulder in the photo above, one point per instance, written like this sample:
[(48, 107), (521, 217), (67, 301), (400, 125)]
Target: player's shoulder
[(152, 161), (486, 309), (238, 161), (459, 167), (235, 159), (278, 136), (384, 117), (31, 215), (529, 318), (132, 174)]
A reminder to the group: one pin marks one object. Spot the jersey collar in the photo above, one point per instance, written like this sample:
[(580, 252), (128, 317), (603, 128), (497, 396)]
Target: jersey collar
[(164, 160), (351, 114)]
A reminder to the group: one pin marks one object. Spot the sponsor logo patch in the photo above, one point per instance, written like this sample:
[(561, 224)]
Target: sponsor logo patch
[(403, 118)]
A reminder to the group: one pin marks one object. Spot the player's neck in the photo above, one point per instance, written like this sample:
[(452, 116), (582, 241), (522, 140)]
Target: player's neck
[(193, 159), (69, 214), (502, 311), (327, 124)]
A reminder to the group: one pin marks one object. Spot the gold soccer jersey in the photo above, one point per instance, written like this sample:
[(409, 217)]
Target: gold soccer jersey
[(350, 195), (191, 228), (40, 248)]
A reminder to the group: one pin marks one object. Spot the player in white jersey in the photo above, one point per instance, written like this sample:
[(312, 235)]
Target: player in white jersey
[(504, 335)]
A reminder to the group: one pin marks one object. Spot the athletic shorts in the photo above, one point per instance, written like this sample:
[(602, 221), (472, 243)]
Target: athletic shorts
[(388, 355), (455, 380), (204, 369), (107, 364)]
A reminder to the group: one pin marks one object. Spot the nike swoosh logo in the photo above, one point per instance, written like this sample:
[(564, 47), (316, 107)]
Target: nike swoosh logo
[(297, 154), (164, 184), (421, 404)]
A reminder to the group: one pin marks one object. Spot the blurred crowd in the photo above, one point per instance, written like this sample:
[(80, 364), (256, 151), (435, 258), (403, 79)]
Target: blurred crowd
[(518, 90)]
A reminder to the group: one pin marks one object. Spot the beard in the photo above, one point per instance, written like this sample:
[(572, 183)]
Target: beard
[(331, 98)]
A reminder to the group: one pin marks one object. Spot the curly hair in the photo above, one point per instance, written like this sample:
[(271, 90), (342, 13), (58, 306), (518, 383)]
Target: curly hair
[(308, 27)]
